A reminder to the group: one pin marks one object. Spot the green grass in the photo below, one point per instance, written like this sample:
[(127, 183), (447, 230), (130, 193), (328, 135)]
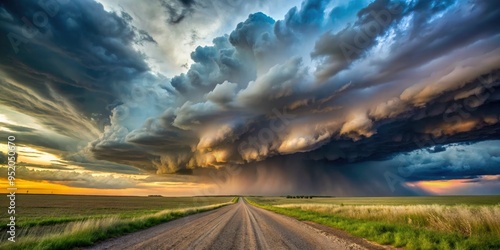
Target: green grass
[(35, 209), (385, 230), (412, 200), (84, 220)]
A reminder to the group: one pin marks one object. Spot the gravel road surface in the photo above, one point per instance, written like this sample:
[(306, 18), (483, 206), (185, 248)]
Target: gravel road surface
[(237, 226)]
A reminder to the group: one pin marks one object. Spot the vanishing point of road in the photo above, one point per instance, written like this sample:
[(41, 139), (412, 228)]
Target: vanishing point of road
[(236, 226)]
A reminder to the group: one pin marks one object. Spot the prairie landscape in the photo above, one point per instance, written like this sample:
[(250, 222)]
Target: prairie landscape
[(430, 222), (69, 221), (236, 124), (446, 222)]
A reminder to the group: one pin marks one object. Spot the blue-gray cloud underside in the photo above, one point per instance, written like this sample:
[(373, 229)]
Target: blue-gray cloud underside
[(336, 97)]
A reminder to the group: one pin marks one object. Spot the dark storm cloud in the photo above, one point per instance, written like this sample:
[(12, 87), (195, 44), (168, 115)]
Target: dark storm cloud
[(67, 64), (128, 154), (459, 161), (251, 96), (212, 64), (302, 90), (303, 176), (309, 18), (443, 121), (340, 49), (348, 10), (66, 58), (445, 37), (82, 160)]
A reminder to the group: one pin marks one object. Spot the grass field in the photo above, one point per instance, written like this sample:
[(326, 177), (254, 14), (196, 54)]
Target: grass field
[(411, 200), (53, 209), (67, 221), (452, 222)]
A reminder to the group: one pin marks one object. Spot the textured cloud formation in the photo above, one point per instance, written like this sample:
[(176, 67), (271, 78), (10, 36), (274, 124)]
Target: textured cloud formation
[(245, 81), (454, 161), (74, 179), (64, 62), (333, 92), (179, 26)]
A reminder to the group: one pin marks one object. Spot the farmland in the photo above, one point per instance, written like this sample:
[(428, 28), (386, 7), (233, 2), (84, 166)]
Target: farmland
[(453, 222), (446, 222), (406, 200), (60, 221)]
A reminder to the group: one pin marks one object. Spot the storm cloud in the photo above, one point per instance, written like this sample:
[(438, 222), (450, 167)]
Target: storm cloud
[(63, 62), (337, 100)]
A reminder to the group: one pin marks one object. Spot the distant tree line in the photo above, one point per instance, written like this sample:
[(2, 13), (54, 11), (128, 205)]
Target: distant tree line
[(298, 197)]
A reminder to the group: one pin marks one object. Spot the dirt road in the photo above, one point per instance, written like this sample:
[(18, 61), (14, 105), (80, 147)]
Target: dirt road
[(238, 226)]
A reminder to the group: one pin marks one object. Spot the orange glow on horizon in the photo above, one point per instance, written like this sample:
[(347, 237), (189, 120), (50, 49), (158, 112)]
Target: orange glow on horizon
[(443, 187), (45, 187), (439, 186)]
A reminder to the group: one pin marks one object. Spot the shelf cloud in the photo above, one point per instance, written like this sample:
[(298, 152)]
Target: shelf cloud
[(335, 95)]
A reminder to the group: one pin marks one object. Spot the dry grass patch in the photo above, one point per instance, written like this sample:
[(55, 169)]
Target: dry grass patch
[(399, 224), (464, 219), (88, 231)]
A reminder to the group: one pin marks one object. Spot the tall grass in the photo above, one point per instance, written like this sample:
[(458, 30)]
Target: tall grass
[(406, 226), (464, 219), (87, 232)]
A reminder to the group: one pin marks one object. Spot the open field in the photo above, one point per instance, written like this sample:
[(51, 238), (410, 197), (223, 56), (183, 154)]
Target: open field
[(453, 222), (239, 226), (411, 200), (53, 209), (64, 221)]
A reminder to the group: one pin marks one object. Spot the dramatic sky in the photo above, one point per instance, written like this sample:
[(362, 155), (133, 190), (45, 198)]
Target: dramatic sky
[(192, 97)]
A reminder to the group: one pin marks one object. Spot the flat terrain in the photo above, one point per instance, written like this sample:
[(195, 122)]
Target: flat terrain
[(439, 222), (67, 221), (238, 226), (413, 200), (37, 209)]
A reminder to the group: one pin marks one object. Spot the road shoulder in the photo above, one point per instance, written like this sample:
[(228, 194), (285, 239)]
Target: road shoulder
[(337, 233), (333, 233)]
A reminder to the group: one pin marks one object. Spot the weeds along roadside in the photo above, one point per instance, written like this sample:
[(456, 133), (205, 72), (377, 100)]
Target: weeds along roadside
[(468, 220), (392, 231), (88, 232)]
